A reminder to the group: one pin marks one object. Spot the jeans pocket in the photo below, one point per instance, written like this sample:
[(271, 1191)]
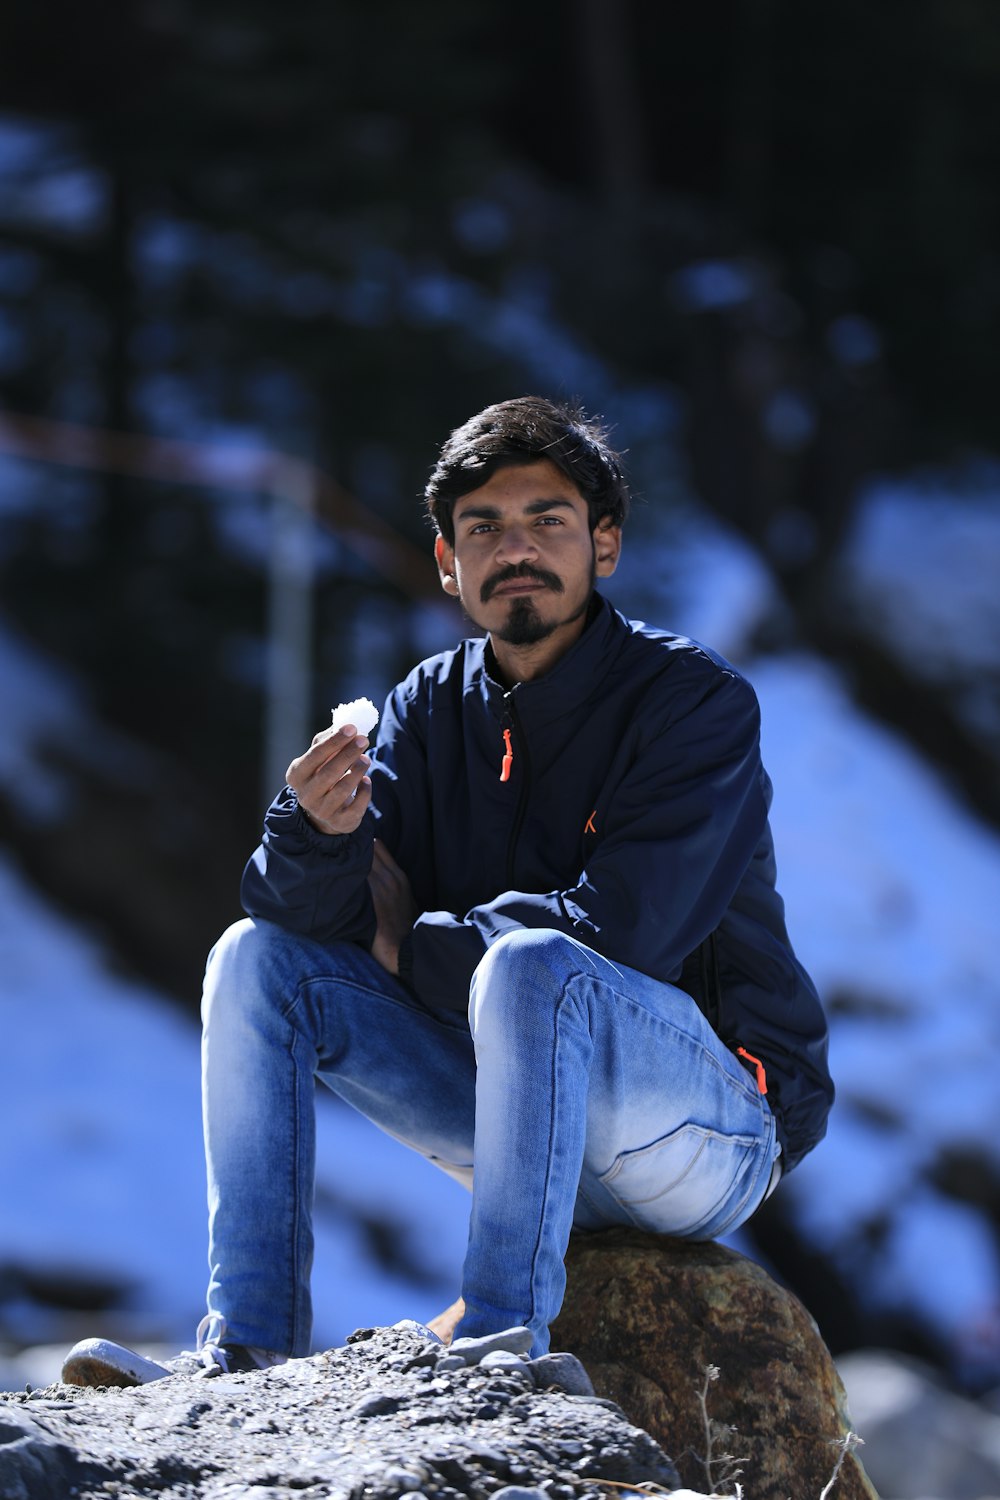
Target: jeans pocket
[(688, 1183)]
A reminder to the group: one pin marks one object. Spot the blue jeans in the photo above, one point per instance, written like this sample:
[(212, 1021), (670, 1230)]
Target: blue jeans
[(584, 1094)]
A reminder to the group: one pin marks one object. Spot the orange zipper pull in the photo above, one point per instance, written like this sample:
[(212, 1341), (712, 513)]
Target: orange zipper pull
[(758, 1065), (508, 759)]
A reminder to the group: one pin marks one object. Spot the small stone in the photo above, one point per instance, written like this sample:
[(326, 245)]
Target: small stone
[(472, 1350), (501, 1359), (571, 1449), (450, 1362), (520, 1492), (562, 1370), (260, 1424), (518, 1472), (504, 1388), (403, 1479), (410, 1325), (485, 1455), (379, 1404)]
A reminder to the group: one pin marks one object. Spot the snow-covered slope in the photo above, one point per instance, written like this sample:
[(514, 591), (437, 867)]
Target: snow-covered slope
[(892, 890), (101, 1178), (922, 562), (892, 893)]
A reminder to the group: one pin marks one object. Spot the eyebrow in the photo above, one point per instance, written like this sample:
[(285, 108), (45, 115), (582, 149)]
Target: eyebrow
[(493, 512)]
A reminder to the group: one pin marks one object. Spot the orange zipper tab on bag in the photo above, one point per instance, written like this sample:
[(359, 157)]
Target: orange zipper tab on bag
[(508, 759), (758, 1065)]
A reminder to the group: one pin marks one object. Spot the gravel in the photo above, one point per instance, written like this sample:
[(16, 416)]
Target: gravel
[(393, 1415)]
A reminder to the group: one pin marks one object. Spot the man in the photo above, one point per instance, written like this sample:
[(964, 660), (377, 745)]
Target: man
[(535, 935)]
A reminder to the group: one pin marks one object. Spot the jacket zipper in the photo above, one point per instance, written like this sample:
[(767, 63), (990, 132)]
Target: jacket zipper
[(506, 765), (758, 1068), (511, 729), (712, 992)]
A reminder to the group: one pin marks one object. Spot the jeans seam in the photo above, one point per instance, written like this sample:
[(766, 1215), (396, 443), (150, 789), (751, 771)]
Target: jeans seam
[(548, 1177), (740, 1082), (296, 1199), (553, 1114), (749, 1091), (766, 1163)]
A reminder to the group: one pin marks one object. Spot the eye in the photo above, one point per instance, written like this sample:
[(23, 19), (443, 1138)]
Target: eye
[(481, 528)]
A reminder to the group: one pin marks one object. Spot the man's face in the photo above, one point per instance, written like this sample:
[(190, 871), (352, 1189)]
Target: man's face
[(524, 559)]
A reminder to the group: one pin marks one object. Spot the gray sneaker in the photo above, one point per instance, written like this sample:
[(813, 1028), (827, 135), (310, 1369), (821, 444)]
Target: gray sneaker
[(96, 1362)]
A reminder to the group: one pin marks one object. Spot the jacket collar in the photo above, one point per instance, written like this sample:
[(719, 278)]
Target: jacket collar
[(571, 680)]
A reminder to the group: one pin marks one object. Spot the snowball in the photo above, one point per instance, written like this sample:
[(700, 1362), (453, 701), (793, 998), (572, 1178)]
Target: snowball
[(361, 712)]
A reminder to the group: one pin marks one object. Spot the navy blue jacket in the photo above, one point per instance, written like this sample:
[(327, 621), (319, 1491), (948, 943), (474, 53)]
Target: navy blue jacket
[(635, 818)]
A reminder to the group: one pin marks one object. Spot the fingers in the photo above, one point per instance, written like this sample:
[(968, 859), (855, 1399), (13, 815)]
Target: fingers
[(337, 809), (331, 780), (331, 753), (329, 741)]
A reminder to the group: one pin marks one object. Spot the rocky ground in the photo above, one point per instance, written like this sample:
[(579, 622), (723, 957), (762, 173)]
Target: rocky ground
[(393, 1414)]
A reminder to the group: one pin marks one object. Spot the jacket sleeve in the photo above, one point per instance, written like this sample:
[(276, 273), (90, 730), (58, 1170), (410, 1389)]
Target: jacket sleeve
[(675, 836), (310, 882)]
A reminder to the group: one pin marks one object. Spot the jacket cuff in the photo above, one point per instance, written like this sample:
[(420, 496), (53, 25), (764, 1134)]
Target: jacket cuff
[(286, 817)]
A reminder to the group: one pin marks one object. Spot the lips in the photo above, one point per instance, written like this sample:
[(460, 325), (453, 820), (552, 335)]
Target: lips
[(512, 586), (527, 587)]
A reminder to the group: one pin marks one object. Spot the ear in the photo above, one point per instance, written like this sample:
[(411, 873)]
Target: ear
[(444, 556), (607, 547)]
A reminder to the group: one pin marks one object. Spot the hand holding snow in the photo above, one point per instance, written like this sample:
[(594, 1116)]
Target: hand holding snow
[(361, 712)]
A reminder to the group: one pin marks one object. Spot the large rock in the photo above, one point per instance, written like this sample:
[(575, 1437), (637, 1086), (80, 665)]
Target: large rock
[(650, 1317), (393, 1414)]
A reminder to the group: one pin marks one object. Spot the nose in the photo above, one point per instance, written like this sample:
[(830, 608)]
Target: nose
[(517, 544)]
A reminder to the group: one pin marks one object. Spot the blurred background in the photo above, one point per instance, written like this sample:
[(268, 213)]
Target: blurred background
[(255, 263)]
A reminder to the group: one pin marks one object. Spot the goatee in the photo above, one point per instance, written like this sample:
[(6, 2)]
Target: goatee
[(524, 626)]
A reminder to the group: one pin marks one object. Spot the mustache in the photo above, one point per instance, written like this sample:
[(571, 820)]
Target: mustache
[(513, 574)]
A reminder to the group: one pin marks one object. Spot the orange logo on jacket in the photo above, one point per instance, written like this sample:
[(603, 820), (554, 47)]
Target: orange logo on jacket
[(588, 827)]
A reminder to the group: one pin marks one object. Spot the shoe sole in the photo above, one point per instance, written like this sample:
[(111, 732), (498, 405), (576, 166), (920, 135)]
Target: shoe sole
[(97, 1362)]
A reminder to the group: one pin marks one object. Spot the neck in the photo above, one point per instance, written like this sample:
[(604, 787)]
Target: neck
[(527, 663)]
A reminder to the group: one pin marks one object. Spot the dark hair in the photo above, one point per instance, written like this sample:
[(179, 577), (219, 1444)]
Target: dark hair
[(523, 431)]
